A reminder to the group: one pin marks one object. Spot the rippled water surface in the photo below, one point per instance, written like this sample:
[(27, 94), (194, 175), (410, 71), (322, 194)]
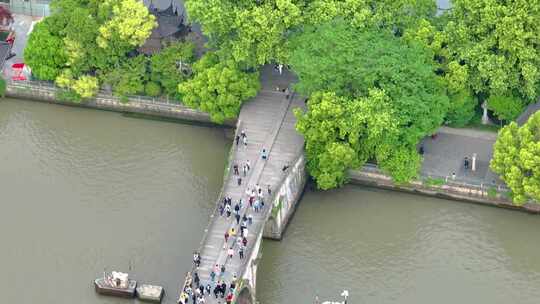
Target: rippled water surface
[(82, 190), (388, 247)]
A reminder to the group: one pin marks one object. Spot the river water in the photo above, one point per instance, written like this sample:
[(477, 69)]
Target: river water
[(83, 190)]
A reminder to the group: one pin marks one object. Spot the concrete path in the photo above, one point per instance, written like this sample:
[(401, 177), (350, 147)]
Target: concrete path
[(445, 154), (269, 123)]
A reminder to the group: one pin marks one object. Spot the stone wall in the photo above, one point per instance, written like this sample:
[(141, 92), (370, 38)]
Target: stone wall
[(45, 92), (285, 199), (444, 189)]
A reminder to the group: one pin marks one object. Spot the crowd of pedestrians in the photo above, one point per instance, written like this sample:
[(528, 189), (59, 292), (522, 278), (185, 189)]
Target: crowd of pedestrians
[(235, 237)]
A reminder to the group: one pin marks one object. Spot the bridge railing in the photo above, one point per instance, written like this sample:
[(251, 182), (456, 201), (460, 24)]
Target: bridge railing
[(215, 212)]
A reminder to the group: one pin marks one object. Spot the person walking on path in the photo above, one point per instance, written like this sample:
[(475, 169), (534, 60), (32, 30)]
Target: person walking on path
[(212, 276), (226, 236), (264, 154), (244, 170), (237, 216), (230, 252), (235, 168), (244, 141), (241, 253), (237, 139), (244, 241), (239, 181), (269, 190), (196, 279), (222, 269), (229, 298), (248, 164), (250, 218)]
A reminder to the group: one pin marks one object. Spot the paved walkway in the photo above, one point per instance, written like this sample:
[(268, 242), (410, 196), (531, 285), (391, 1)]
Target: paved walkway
[(445, 155), (269, 122)]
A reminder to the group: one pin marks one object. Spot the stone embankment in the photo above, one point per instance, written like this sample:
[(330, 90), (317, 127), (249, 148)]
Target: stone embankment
[(443, 188), (46, 92)]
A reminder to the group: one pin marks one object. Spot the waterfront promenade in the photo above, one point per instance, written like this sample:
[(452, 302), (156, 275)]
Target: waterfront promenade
[(269, 123)]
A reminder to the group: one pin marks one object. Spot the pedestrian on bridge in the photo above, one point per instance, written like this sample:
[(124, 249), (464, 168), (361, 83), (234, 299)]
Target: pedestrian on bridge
[(237, 139), (196, 279), (223, 270), (244, 241), (244, 170), (228, 210), (229, 298), (226, 236), (212, 276), (264, 154), (244, 141), (230, 252), (269, 190), (235, 168), (250, 219), (248, 164), (237, 216), (241, 253)]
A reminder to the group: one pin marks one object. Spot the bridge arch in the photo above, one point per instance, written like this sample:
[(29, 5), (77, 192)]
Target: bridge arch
[(245, 296)]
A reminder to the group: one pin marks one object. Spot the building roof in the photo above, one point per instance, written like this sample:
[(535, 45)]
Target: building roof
[(170, 23)]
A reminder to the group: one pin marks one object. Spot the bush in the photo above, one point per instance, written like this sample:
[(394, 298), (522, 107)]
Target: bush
[(506, 108), (492, 192), (461, 110), (152, 89), (2, 87)]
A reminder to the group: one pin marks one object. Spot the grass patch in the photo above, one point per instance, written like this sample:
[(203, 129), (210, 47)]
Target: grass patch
[(492, 192), (430, 182)]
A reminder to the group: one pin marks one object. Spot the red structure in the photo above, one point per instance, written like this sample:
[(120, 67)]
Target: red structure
[(18, 71)]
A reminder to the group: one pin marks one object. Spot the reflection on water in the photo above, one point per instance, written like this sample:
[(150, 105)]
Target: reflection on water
[(388, 247)]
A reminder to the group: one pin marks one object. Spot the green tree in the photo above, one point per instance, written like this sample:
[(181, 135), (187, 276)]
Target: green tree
[(218, 88), (506, 108), (129, 78), (373, 73), (397, 15), (172, 66), (45, 52), (494, 43), (461, 110), (85, 38), (516, 158)]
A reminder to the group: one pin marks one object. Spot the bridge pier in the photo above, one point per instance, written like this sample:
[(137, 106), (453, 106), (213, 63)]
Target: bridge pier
[(284, 204)]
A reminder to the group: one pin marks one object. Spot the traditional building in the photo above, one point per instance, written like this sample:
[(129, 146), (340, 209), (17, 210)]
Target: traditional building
[(170, 27)]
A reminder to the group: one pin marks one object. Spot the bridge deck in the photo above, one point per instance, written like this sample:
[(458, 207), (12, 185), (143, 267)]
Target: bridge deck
[(269, 123)]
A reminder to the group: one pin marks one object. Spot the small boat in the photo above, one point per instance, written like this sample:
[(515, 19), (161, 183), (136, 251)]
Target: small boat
[(151, 293), (116, 284)]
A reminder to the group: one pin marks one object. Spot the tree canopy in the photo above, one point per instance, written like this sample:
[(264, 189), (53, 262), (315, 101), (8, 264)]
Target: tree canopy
[(494, 42), (516, 159), (218, 87), (366, 85), (83, 40)]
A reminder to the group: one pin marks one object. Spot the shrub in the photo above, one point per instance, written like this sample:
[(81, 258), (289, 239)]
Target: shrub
[(461, 110), (152, 89)]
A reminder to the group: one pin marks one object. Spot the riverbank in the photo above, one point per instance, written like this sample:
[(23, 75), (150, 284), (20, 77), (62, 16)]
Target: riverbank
[(443, 188), (46, 92), (471, 189)]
